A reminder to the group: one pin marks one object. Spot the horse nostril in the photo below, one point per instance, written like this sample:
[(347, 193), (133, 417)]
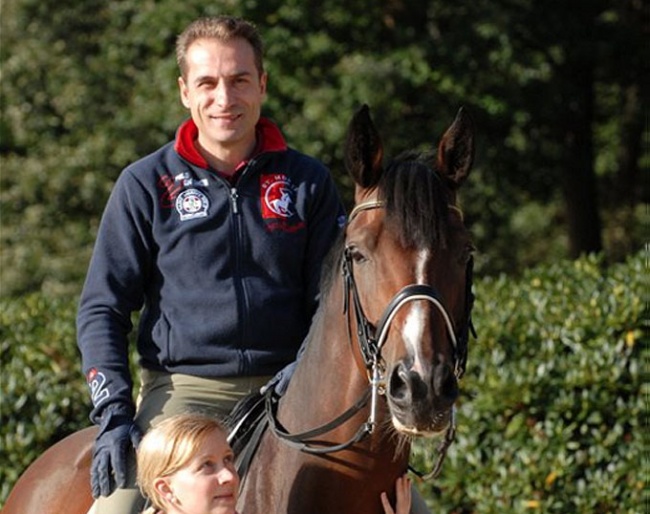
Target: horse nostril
[(406, 385), (444, 383), (398, 387)]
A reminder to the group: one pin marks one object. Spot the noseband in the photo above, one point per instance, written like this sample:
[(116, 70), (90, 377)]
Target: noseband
[(371, 339)]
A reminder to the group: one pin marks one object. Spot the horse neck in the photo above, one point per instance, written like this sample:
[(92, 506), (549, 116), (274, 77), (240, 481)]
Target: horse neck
[(328, 363), (330, 378), (327, 382)]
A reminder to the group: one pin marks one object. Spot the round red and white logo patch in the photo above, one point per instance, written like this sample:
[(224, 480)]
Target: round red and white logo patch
[(278, 196)]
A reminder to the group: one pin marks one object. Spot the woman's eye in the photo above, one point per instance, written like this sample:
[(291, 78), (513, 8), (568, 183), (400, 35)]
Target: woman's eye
[(208, 464)]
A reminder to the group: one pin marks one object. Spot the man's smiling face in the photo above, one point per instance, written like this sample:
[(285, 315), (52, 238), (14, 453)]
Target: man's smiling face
[(224, 92)]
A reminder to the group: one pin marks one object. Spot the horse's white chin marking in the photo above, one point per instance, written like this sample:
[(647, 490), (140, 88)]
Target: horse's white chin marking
[(414, 432)]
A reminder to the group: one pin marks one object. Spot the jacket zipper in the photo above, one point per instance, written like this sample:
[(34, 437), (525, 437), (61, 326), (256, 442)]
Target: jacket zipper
[(233, 200), (242, 300)]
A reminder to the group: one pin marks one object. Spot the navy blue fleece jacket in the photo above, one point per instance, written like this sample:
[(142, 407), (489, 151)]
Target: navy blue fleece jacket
[(226, 274)]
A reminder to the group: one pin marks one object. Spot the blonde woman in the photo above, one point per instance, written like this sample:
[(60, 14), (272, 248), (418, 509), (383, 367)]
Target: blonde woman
[(186, 466)]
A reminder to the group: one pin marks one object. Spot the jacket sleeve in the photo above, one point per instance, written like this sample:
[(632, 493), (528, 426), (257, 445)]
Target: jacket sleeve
[(113, 290), (326, 220)]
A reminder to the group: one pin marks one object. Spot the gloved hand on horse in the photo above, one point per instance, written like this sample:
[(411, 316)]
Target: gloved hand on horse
[(279, 383), (118, 437)]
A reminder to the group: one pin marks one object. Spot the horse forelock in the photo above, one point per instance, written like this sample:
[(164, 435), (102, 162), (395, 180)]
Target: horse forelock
[(417, 208), (416, 200)]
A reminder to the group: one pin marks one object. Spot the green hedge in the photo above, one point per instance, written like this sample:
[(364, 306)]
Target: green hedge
[(552, 414), (550, 419), (44, 395)]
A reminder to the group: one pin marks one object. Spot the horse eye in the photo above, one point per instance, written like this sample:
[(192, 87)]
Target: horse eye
[(356, 254), (467, 254)]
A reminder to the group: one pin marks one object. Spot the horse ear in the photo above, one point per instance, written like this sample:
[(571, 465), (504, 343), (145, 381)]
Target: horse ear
[(363, 149), (456, 149)]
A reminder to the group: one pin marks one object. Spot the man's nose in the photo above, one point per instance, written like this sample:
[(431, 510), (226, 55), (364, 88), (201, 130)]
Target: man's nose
[(223, 94)]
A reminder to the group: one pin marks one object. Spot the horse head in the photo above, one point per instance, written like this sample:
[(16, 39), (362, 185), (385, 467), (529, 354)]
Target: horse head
[(407, 263)]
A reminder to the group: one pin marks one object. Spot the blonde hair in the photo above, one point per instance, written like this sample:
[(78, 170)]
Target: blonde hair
[(170, 446), (222, 28)]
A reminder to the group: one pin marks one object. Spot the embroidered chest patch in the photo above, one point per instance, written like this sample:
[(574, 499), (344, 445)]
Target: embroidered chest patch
[(278, 196), (192, 204)]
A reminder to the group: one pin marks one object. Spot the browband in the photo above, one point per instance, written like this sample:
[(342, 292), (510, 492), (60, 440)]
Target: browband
[(376, 204)]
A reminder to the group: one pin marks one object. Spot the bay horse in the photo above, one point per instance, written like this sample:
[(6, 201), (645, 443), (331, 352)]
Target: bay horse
[(382, 359), (393, 322)]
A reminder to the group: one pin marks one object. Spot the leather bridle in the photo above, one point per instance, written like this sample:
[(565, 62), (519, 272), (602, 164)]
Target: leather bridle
[(371, 339)]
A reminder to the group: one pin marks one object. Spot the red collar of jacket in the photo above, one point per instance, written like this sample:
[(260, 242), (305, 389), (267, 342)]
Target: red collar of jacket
[(269, 139)]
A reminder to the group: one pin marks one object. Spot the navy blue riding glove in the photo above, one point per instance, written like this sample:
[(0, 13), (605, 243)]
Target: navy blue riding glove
[(118, 437), (280, 381)]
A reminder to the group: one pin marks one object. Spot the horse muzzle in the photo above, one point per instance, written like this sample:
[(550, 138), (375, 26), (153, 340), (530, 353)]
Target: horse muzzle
[(421, 405)]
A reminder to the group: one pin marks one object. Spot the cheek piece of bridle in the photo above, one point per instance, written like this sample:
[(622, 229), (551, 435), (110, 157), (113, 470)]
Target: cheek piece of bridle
[(371, 339)]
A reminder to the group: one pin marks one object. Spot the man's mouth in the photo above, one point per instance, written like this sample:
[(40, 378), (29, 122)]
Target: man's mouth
[(226, 118)]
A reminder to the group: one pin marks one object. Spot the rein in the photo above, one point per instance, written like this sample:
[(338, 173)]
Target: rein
[(370, 349)]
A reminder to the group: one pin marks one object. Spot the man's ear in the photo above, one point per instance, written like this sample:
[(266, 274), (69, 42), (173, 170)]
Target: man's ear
[(183, 92), (263, 81)]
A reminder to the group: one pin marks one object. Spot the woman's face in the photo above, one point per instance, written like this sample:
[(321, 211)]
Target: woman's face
[(208, 484)]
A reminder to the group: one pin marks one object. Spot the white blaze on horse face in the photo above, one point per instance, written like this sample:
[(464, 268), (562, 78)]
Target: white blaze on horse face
[(416, 318)]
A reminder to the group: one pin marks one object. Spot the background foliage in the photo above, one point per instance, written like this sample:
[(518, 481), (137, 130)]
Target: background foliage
[(552, 416), (558, 91), (43, 396), (87, 87), (554, 411)]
